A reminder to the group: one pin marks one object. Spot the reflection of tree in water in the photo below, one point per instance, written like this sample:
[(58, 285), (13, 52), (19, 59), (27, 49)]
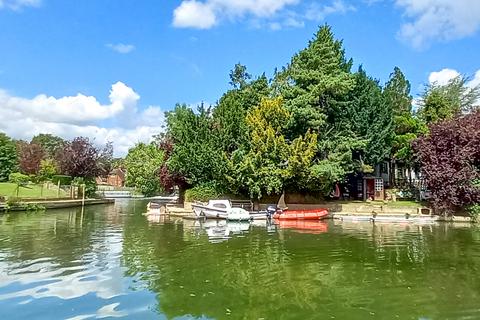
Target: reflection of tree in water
[(287, 275), (60, 235)]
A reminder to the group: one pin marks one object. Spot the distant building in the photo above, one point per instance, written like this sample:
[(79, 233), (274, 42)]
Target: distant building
[(116, 178)]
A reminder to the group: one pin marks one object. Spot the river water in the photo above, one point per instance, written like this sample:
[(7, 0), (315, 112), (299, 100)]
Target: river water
[(112, 262)]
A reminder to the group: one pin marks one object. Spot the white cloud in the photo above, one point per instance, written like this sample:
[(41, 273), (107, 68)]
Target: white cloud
[(194, 14), (318, 12), (18, 4), (82, 115), (271, 14), (121, 48), (443, 76), (206, 14), (438, 20)]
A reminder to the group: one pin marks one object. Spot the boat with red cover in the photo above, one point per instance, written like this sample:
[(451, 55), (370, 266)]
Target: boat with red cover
[(307, 214)]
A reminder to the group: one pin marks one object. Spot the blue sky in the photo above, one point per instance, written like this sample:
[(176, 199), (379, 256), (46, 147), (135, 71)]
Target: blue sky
[(109, 69)]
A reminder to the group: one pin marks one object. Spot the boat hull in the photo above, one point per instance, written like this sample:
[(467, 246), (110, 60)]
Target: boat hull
[(314, 214)]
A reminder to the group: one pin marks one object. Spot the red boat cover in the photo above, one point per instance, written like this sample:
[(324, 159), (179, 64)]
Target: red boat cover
[(309, 214)]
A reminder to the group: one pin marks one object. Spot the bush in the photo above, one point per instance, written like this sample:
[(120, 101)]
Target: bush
[(64, 180), (474, 211), (48, 169), (203, 192), (18, 178), (90, 186)]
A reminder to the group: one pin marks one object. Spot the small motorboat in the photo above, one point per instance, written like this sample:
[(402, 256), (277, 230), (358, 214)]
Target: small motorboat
[(220, 209), (307, 214), (238, 214)]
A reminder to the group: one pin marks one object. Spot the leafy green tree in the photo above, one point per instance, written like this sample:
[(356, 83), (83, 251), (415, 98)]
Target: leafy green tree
[(195, 154), (371, 119), (229, 114), (51, 144), (262, 168), (443, 102), (239, 76), (407, 125), (269, 162), (48, 169), (318, 80), (8, 157), (143, 163)]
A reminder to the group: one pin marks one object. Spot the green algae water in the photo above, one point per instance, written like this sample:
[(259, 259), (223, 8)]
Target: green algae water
[(113, 262)]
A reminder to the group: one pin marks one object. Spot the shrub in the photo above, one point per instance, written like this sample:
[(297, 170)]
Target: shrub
[(474, 211), (203, 192), (18, 178)]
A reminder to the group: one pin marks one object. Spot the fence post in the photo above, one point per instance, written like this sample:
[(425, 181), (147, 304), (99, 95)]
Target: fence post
[(58, 189)]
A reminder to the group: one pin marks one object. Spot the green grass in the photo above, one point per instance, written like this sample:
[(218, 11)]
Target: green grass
[(29, 191)]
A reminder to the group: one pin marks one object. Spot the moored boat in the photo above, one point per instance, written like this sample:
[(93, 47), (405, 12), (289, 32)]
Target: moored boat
[(220, 209), (307, 214)]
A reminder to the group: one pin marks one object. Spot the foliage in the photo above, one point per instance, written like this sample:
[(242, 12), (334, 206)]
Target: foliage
[(78, 158), (105, 161), (474, 211), (195, 155), (450, 157), (316, 84), (168, 179), (441, 102), (407, 127), (397, 93), (8, 157), (18, 178), (90, 186), (202, 192), (229, 114), (370, 118), (29, 157), (143, 164), (51, 144), (269, 161), (48, 169), (64, 180)]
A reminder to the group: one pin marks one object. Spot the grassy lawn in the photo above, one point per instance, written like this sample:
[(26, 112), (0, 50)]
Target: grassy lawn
[(29, 191)]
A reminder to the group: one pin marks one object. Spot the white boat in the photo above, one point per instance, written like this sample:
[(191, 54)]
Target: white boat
[(220, 209)]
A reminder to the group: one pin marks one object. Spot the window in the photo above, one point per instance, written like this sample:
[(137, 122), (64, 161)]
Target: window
[(378, 184)]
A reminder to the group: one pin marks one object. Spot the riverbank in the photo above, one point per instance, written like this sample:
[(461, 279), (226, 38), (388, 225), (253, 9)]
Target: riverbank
[(395, 212), (53, 204)]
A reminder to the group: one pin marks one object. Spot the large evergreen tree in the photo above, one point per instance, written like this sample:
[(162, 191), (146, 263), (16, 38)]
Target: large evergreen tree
[(370, 119), (318, 79), (406, 125)]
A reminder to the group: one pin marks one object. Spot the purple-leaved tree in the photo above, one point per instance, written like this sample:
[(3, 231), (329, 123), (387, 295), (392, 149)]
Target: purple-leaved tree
[(450, 159)]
